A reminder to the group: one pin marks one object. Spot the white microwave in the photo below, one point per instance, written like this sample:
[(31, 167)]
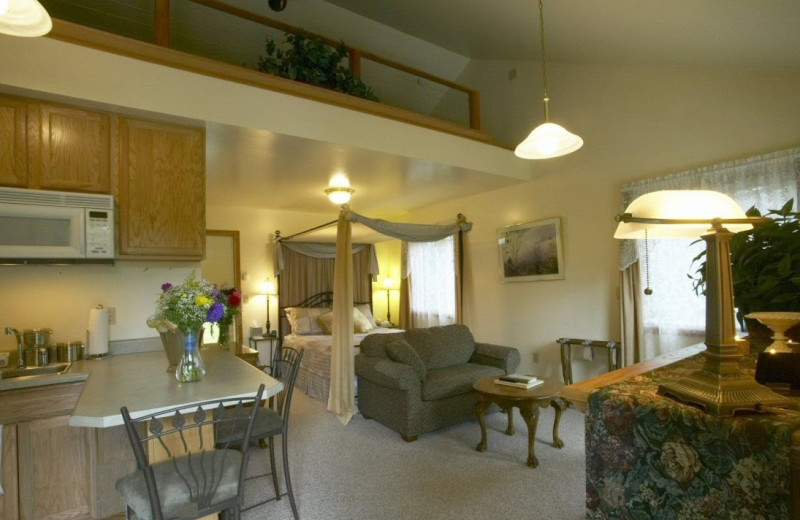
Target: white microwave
[(40, 226)]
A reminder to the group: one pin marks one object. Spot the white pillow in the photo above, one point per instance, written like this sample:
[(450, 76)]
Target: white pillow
[(303, 320), (360, 322), (367, 312)]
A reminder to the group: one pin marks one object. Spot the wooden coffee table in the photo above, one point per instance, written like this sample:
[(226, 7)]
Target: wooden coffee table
[(528, 402)]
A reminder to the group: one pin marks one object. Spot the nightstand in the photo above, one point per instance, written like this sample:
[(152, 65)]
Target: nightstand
[(271, 341)]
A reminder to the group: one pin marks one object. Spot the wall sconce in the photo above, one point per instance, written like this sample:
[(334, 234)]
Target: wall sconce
[(268, 289), (339, 190), (24, 18), (388, 285)]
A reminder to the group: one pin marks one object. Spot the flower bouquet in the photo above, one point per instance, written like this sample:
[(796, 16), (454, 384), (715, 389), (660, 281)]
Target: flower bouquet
[(183, 309), (231, 301)]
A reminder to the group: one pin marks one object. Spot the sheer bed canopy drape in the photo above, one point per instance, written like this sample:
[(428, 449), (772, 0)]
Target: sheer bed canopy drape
[(342, 394)]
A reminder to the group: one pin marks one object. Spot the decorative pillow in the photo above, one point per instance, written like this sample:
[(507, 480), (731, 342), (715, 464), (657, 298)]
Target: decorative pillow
[(367, 312), (401, 351), (326, 322), (303, 320), (360, 322)]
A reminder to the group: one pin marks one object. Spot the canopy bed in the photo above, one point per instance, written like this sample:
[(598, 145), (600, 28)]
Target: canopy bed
[(328, 373)]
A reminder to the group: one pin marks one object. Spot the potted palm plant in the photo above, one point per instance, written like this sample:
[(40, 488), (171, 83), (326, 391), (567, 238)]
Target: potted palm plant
[(766, 269)]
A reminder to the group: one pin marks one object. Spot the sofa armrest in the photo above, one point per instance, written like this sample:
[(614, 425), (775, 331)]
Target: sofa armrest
[(505, 358), (386, 372)]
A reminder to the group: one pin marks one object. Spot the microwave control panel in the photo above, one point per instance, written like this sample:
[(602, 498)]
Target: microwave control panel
[(99, 233)]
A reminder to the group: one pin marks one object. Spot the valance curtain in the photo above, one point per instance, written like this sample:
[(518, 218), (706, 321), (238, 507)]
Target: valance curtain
[(673, 316), (342, 399)]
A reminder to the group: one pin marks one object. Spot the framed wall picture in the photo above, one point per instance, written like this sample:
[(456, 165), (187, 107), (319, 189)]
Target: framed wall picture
[(531, 251)]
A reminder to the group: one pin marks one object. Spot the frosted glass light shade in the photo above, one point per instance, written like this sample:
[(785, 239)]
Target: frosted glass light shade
[(703, 205), (546, 141), (24, 18)]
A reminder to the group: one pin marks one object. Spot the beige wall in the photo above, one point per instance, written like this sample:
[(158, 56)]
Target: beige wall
[(636, 122)]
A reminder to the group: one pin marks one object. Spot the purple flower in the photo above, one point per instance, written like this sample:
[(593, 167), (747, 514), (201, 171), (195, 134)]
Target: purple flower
[(166, 286), (215, 312)]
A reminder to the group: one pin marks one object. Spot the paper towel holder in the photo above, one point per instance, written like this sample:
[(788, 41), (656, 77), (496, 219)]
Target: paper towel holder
[(89, 343)]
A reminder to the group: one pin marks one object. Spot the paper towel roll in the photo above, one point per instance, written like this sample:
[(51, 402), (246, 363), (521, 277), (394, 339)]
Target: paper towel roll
[(97, 332)]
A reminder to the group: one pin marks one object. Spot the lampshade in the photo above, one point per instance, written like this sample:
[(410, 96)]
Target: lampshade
[(700, 207), (388, 284), (268, 287), (548, 140), (24, 18)]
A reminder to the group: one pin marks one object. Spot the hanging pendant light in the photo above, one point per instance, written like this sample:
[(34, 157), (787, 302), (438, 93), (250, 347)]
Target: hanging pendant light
[(548, 139), (24, 18)]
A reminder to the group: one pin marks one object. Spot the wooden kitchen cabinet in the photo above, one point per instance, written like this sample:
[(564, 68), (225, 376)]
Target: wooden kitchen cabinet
[(13, 142), (72, 152), (161, 190), (54, 147), (45, 466)]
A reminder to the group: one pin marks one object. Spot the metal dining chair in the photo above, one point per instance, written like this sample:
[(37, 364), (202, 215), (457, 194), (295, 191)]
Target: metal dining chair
[(271, 420), (182, 470)]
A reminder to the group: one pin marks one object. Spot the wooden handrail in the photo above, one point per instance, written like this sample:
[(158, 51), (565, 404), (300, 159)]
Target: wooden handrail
[(355, 54), (108, 42)]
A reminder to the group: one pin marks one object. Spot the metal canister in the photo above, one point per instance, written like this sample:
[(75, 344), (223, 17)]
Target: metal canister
[(62, 352), (42, 356), (76, 350), (30, 357)]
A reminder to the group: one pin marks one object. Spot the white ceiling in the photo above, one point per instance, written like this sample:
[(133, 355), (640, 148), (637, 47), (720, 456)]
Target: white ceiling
[(281, 172)]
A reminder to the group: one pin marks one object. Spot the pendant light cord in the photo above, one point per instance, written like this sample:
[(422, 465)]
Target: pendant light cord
[(546, 99)]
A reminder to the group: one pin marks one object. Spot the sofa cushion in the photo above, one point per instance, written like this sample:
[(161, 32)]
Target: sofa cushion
[(455, 380), (374, 345), (399, 350), (440, 347)]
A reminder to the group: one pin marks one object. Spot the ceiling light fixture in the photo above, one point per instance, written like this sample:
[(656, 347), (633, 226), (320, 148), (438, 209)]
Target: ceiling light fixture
[(548, 139), (339, 190), (24, 18)]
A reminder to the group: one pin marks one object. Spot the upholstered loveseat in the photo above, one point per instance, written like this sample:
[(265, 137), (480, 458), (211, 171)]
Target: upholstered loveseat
[(420, 380)]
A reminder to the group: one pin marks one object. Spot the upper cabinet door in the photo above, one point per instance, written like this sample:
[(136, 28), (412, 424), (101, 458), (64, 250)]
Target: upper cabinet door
[(161, 190), (72, 152), (13, 144)]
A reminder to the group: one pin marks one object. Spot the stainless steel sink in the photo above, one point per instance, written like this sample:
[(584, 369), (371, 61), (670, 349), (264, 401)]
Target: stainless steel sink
[(55, 368)]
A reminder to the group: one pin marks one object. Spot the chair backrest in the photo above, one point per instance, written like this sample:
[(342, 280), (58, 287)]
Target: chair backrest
[(285, 367), (178, 458)]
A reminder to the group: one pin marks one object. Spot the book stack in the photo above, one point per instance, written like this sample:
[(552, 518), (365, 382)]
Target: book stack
[(519, 381)]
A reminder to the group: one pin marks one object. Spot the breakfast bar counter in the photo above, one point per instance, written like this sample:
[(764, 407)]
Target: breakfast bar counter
[(141, 382)]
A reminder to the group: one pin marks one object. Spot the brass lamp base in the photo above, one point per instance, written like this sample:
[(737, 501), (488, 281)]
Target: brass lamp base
[(724, 395)]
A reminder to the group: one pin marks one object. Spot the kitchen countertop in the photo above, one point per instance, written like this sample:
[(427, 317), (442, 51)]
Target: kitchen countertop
[(141, 382)]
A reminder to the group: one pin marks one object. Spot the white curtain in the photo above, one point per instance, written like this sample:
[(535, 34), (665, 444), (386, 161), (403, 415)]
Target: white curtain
[(674, 316), (432, 282)]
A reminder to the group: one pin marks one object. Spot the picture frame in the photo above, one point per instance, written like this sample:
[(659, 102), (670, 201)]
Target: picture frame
[(531, 251)]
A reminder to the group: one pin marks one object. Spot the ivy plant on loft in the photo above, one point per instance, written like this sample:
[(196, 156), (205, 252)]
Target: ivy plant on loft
[(314, 62)]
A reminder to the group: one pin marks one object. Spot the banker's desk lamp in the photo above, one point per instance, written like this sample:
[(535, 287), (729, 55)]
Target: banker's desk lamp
[(720, 387)]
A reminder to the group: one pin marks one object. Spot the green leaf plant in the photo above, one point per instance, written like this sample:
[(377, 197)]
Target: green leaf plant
[(314, 62), (765, 263)]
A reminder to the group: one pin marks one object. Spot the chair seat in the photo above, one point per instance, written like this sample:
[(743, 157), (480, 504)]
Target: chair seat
[(266, 424), (173, 491)]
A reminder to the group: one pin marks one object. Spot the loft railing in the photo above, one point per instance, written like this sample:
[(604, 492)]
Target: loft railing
[(164, 27)]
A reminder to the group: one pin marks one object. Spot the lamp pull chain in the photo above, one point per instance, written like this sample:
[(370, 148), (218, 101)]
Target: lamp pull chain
[(546, 97), (647, 290)]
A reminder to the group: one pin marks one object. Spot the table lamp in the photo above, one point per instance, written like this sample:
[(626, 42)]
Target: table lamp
[(388, 285), (268, 289), (720, 387)]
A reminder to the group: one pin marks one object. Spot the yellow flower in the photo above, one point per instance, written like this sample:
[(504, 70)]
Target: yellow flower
[(203, 300)]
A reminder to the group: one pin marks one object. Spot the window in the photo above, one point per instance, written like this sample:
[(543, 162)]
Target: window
[(432, 282)]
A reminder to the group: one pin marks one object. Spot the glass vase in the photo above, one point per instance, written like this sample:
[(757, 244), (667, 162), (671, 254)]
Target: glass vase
[(190, 367), (224, 335)]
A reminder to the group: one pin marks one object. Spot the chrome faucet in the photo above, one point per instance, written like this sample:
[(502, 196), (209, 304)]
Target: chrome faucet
[(20, 346)]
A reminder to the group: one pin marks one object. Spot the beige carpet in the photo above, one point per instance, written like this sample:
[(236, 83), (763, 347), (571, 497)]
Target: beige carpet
[(366, 471)]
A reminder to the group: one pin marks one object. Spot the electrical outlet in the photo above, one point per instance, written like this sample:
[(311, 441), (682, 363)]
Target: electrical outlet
[(535, 357), (112, 315), (512, 74)]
